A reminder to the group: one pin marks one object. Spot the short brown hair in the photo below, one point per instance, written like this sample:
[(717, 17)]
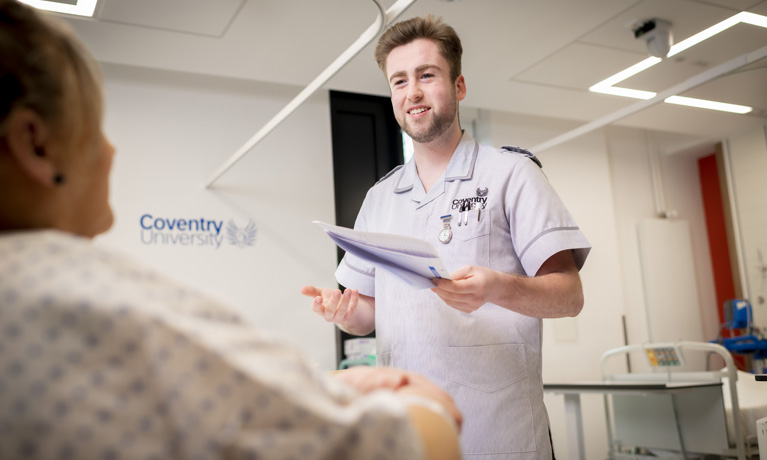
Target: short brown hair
[(44, 68), (430, 28)]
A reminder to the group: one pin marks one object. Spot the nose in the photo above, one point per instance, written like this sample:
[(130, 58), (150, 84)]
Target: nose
[(414, 92)]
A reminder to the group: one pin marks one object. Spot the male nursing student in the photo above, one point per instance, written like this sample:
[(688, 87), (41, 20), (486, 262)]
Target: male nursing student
[(513, 250)]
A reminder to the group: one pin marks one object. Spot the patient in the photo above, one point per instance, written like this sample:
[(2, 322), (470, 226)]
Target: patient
[(103, 358)]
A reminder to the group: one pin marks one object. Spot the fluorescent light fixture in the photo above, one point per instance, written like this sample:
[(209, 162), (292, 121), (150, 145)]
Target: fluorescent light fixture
[(631, 71), (703, 35), (80, 7), (625, 92), (606, 86), (711, 105), (753, 19)]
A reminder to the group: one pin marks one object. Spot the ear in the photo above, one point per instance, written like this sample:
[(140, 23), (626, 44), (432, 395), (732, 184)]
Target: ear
[(26, 139), (460, 88)]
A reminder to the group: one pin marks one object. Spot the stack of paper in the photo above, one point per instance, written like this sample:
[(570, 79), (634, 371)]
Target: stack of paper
[(415, 261)]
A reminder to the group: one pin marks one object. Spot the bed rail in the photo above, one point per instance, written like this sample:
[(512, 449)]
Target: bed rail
[(729, 372)]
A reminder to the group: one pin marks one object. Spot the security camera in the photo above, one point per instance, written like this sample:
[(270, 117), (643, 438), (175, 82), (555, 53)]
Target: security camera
[(657, 34)]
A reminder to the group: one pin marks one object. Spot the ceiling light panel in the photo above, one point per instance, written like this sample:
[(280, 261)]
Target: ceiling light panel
[(76, 7), (708, 54), (620, 85), (711, 105), (703, 35), (687, 18)]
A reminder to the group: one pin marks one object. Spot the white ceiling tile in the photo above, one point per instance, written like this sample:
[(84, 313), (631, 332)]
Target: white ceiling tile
[(579, 66), (761, 8), (747, 86), (202, 17), (740, 5)]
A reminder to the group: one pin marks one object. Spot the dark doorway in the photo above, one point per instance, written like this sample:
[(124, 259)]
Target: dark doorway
[(367, 143)]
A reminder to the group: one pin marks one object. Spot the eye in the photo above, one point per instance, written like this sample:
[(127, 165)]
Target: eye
[(427, 75)]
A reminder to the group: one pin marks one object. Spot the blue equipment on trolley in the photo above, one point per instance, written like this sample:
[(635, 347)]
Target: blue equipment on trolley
[(738, 316)]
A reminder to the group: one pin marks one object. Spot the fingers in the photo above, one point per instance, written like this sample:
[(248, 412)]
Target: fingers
[(310, 291), (393, 379), (343, 305), (366, 379), (462, 273), (338, 306), (463, 280), (354, 300), (468, 290), (331, 304), (466, 303), (317, 306), (348, 304)]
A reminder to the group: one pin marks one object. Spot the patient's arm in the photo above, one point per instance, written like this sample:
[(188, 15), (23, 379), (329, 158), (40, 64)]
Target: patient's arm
[(439, 438), (438, 426), (432, 410)]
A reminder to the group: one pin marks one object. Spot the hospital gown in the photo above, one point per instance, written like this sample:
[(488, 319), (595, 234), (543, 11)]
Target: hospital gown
[(102, 358)]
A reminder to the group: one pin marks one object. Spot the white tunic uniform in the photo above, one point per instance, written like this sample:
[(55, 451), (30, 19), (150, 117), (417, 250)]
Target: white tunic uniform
[(101, 358), (489, 360)]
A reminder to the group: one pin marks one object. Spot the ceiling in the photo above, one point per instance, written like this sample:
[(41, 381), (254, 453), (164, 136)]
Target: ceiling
[(530, 57)]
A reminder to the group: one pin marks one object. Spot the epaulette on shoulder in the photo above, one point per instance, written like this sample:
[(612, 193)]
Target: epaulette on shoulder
[(389, 174), (524, 152)]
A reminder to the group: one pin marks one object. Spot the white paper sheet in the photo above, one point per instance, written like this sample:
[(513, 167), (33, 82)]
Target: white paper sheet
[(415, 261)]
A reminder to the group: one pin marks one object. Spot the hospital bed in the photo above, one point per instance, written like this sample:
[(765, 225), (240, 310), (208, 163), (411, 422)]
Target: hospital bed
[(677, 411)]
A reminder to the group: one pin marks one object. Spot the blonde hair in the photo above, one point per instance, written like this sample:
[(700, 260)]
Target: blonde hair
[(44, 68), (430, 28)]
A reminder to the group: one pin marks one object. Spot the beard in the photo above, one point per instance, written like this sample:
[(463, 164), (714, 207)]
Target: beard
[(440, 123)]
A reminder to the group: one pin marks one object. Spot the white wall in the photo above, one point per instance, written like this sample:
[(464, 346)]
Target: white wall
[(747, 155), (682, 187), (635, 197), (172, 131)]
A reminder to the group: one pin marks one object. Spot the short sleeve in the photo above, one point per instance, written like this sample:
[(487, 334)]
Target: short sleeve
[(539, 222)]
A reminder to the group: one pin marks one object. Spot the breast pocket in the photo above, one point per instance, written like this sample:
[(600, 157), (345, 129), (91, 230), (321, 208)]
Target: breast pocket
[(490, 386), (470, 241)]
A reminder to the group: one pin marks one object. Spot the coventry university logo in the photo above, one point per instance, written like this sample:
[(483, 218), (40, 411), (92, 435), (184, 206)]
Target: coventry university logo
[(471, 202), (174, 231), (241, 237)]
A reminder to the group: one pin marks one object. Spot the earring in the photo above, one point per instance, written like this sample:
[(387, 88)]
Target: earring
[(58, 179)]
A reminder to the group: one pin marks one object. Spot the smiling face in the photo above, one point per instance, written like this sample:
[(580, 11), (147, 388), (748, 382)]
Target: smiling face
[(424, 97)]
